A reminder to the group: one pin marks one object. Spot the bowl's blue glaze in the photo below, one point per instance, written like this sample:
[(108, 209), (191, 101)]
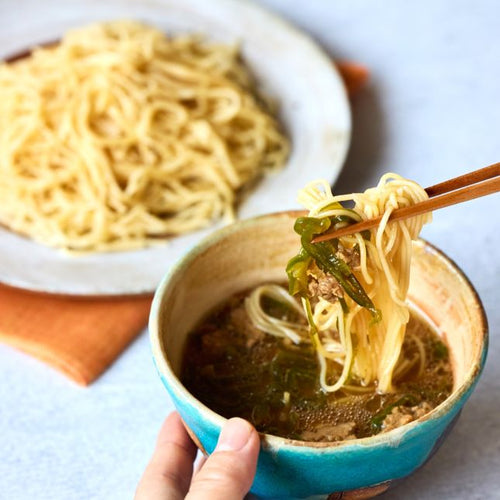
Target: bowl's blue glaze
[(293, 469), (290, 471)]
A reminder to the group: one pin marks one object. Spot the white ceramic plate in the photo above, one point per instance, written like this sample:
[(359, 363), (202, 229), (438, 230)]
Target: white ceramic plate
[(289, 67)]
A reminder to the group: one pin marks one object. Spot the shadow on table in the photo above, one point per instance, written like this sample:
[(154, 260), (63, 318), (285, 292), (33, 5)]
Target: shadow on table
[(365, 160)]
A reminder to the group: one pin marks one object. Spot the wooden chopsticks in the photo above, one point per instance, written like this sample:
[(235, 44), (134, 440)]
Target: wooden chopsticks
[(457, 190)]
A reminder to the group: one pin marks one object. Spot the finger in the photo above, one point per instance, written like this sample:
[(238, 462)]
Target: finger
[(228, 473), (168, 474)]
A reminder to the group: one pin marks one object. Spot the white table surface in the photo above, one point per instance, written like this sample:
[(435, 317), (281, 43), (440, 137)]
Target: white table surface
[(432, 111)]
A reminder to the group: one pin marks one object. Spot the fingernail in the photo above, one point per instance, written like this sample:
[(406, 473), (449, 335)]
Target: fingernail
[(234, 436)]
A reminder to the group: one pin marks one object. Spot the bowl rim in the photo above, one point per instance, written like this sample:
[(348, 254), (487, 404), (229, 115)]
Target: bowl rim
[(269, 440)]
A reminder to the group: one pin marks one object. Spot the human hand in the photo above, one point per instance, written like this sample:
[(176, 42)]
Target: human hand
[(227, 473)]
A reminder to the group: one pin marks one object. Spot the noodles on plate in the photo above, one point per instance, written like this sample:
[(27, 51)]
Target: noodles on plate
[(119, 136)]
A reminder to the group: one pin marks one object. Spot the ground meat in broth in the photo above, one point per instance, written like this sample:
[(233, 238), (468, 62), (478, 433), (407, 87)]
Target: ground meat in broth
[(329, 432), (401, 415), (349, 255), (325, 286)]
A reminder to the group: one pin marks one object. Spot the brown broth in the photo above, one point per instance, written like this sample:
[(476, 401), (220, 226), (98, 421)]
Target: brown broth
[(236, 370)]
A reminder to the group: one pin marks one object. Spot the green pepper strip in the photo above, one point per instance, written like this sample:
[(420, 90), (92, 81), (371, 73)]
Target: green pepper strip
[(324, 255), (297, 273)]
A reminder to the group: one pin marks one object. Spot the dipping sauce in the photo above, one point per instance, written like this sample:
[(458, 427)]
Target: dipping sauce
[(237, 370)]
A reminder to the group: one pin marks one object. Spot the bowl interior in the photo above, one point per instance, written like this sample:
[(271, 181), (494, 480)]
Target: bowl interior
[(256, 251), (440, 290), (234, 259)]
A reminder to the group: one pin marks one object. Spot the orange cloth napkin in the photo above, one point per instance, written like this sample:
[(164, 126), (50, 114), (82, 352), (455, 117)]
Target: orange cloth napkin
[(355, 76), (79, 336)]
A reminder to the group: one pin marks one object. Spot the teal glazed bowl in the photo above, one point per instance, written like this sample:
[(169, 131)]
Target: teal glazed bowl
[(255, 251)]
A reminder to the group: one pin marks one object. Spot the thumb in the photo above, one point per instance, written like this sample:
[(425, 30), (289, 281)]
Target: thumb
[(228, 473)]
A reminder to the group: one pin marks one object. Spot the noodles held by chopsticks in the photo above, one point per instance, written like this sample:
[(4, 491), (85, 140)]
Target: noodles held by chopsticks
[(369, 347), (354, 288), (118, 136)]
